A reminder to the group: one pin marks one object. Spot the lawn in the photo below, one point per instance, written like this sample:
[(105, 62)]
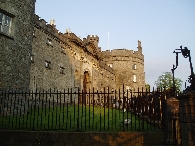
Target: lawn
[(75, 118)]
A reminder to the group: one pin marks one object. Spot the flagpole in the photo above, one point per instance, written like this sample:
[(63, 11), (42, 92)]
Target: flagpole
[(108, 42)]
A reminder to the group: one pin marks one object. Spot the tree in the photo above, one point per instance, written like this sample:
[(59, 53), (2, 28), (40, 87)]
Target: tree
[(147, 87), (166, 81)]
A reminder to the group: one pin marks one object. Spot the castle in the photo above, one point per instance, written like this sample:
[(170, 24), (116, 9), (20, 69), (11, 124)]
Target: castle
[(36, 55)]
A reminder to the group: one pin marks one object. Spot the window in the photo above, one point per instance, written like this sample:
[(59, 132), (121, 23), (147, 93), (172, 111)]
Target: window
[(34, 34), (110, 65), (134, 78), (5, 24), (62, 70), (47, 64), (62, 50), (49, 42), (134, 66), (32, 58)]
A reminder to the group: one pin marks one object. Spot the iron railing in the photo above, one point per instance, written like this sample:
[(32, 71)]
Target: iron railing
[(68, 110)]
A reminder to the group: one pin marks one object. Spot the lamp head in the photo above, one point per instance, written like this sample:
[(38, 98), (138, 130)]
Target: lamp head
[(185, 52)]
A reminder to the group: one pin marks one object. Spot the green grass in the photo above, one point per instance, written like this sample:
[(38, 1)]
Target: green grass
[(75, 118)]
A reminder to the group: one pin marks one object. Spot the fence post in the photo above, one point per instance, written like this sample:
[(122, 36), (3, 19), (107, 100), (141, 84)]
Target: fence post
[(171, 125)]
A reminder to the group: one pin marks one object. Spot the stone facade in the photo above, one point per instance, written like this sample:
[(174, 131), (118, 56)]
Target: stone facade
[(16, 32), (85, 65), (128, 66), (37, 56), (50, 65)]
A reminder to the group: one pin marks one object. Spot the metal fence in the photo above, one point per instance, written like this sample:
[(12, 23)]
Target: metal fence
[(68, 110)]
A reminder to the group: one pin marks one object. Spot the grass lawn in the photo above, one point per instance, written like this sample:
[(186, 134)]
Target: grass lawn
[(75, 118)]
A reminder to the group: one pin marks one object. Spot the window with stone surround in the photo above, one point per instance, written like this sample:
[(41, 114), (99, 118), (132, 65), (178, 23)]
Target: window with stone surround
[(49, 42), (34, 33), (32, 58), (48, 64), (134, 78), (63, 50), (62, 70), (110, 65), (134, 66), (5, 24)]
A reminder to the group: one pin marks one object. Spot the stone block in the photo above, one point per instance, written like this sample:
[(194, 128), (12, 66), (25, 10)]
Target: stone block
[(187, 126), (186, 142), (77, 138), (187, 118)]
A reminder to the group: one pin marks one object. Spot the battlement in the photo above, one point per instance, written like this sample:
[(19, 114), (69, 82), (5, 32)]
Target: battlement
[(65, 37), (74, 38), (93, 37), (122, 53), (118, 52), (44, 25), (71, 37)]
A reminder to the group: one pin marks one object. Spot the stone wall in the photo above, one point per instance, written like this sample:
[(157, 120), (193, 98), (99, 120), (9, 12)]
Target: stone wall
[(47, 50), (187, 118), (86, 59), (23, 138), (76, 56), (15, 48)]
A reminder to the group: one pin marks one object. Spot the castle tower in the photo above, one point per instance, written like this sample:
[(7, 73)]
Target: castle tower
[(128, 66), (16, 42), (94, 39)]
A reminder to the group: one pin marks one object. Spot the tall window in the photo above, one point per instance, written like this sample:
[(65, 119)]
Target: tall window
[(134, 66), (5, 24), (62, 70), (49, 42), (134, 78)]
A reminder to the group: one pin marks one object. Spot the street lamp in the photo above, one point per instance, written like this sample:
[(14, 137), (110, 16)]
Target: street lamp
[(191, 79)]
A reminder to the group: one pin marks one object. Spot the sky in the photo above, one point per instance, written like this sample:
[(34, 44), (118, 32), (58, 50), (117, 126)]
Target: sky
[(161, 25)]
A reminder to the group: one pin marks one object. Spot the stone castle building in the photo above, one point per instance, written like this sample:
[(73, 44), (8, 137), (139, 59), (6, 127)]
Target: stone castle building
[(16, 36), (36, 55)]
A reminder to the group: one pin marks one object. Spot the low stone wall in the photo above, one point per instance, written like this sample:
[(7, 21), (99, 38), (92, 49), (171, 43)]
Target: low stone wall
[(53, 138), (187, 118)]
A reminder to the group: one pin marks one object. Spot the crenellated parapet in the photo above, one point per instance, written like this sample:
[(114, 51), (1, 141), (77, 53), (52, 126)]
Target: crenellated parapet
[(89, 44), (122, 54), (74, 38), (48, 28), (93, 38)]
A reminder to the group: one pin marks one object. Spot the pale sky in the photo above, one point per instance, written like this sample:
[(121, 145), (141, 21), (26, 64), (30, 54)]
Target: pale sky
[(161, 25)]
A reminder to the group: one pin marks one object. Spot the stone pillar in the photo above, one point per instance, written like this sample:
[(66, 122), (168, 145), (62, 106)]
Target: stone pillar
[(187, 118), (171, 121)]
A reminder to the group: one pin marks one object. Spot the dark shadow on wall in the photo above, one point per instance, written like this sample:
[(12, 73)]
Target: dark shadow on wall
[(20, 138)]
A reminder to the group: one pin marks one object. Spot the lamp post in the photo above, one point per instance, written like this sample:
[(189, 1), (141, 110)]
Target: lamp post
[(191, 79)]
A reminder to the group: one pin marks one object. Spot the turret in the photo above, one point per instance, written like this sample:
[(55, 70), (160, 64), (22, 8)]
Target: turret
[(139, 46), (94, 39)]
